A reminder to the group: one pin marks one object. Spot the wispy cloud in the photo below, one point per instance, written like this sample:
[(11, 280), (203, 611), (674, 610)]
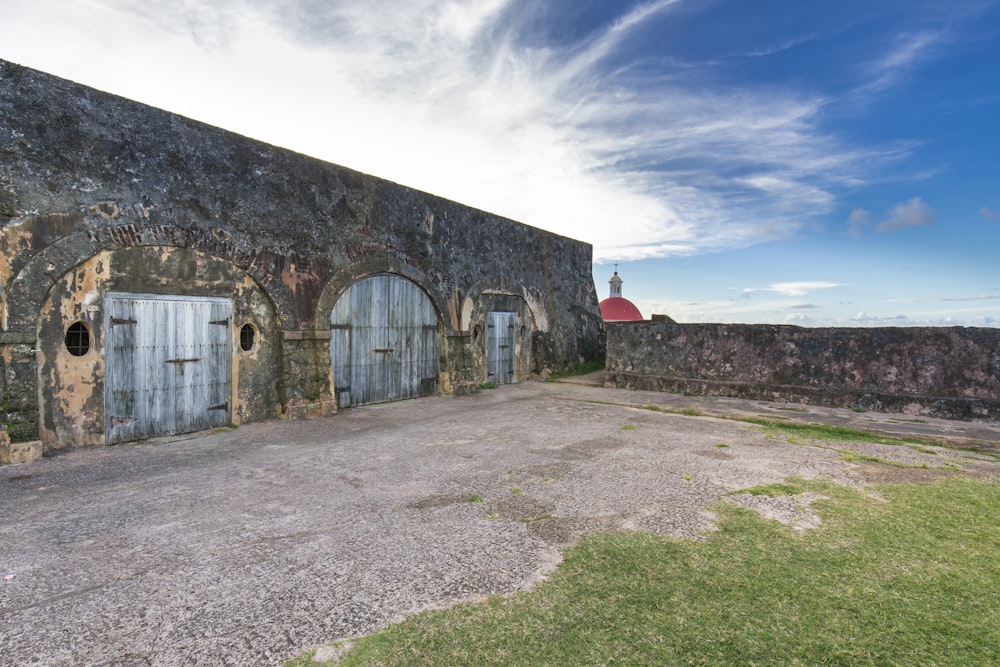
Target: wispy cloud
[(876, 320), (980, 297), (794, 288), (906, 52), (988, 214), (461, 99), (914, 213)]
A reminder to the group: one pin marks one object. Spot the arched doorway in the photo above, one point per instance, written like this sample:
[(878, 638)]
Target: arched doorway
[(383, 343), (167, 364)]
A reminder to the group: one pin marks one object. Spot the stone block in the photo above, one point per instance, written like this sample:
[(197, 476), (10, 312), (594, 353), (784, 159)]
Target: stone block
[(305, 409), (18, 452)]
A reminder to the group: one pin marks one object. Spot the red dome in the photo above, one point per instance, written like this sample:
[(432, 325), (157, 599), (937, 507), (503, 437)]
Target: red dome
[(619, 309)]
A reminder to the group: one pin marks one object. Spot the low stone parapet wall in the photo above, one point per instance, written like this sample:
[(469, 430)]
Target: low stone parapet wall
[(949, 372)]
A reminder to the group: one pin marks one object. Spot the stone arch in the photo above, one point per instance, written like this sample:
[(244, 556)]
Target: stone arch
[(385, 340), (501, 294), (352, 273), (71, 387), (28, 289)]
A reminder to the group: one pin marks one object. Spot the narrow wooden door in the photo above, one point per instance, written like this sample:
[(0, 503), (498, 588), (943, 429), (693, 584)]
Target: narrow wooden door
[(383, 345), (500, 348), (167, 365)]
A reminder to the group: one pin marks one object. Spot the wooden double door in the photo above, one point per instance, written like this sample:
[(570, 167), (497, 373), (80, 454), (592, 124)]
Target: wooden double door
[(384, 342), (167, 365)]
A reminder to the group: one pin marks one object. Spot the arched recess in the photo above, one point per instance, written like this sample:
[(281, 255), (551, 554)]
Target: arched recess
[(503, 322), (29, 288), (104, 308), (384, 343)]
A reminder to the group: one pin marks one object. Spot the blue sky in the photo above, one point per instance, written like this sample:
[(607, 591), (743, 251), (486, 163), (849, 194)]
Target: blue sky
[(781, 161)]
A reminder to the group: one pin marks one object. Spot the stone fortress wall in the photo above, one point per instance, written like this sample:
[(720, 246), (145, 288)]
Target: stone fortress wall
[(102, 196), (948, 372)]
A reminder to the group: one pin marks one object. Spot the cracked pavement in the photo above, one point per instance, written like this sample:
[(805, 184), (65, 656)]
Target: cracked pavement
[(251, 546)]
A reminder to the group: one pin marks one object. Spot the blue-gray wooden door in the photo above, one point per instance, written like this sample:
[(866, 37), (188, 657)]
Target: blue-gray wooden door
[(500, 347), (383, 343), (167, 365)]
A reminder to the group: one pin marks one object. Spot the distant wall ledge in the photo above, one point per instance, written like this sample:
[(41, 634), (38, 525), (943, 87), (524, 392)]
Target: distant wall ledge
[(947, 372), (942, 407)]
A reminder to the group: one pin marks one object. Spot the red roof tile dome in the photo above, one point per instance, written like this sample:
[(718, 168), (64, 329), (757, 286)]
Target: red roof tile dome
[(617, 308)]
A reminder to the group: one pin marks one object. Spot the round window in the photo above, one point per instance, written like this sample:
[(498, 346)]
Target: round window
[(78, 339), (248, 336)]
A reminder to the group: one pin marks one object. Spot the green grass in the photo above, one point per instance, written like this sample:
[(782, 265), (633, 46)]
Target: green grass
[(773, 490), (910, 577), (689, 412), (488, 385), (798, 434), (586, 367), (827, 432)]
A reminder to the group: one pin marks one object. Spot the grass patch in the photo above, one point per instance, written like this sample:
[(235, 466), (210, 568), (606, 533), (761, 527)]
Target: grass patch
[(773, 490), (476, 498), (488, 385), (690, 412), (628, 427), (722, 445), (828, 432), (912, 577), (585, 368)]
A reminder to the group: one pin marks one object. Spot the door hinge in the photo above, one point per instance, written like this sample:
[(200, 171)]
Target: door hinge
[(118, 320), (222, 322), (220, 406)]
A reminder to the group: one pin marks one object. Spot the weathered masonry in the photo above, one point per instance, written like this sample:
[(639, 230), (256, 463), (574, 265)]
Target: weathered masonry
[(159, 276), (948, 372)]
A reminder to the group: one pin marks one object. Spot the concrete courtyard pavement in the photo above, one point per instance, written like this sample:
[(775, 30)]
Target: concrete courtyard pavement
[(247, 547)]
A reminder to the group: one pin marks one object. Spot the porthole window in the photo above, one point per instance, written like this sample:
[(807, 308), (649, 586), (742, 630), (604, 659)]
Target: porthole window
[(248, 336), (78, 339)]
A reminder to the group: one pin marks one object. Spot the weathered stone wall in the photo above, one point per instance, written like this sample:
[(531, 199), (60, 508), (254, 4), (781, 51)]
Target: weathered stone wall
[(88, 178), (949, 372)]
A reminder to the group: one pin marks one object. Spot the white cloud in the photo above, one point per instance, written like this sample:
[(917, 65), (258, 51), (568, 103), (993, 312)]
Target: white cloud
[(909, 50), (450, 97), (800, 319), (794, 288), (988, 214), (863, 318), (914, 213)]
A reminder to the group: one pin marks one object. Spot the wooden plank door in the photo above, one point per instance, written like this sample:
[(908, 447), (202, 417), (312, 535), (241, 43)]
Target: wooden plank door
[(383, 345), (500, 347), (167, 365)]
